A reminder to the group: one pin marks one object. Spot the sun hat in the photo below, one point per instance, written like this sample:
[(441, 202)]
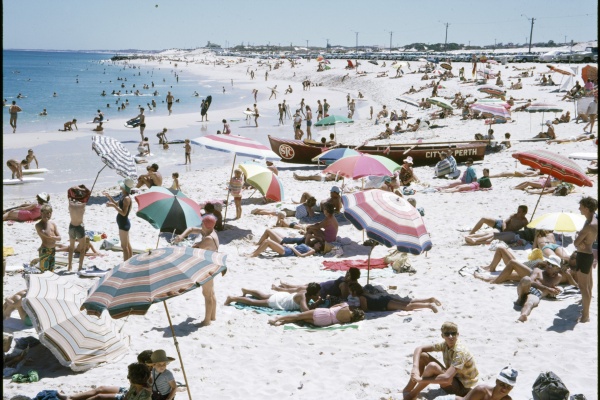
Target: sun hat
[(160, 356), (548, 122), (408, 160), (554, 260), (508, 375), (127, 184), (335, 189), (45, 197)]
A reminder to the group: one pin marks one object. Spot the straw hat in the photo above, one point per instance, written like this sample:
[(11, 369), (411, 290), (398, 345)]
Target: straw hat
[(159, 356), (127, 184), (408, 160)]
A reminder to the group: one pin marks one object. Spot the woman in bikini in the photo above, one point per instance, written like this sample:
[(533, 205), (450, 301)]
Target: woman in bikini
[(545, 241), (338, 314)]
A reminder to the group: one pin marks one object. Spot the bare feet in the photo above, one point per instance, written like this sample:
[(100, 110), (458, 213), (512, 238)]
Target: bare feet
[(583, 320), (433, 308), (205, 322), (486, 268), (482, 276), (274, 322), (523, 318), (228, 301)]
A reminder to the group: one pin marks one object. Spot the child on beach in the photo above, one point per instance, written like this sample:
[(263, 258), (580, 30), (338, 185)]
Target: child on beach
[(29, 158), (188, 151), (175, 184), (235, 188), (163, 382)]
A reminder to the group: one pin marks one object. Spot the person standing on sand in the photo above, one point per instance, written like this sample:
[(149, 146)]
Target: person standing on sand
[(256, 115), (13, 110), (319, 110), (266, 75), (78, 197), (585, 253), (142, 119), (169, 102), (325, 108), (123, 208), (188, 152), (273, 92), (308, 122), (255, 93), (209, 240), (48, 232), (456, 375), (281, 113)]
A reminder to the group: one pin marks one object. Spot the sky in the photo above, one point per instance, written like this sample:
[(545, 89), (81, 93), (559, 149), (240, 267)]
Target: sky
[(167, 24)]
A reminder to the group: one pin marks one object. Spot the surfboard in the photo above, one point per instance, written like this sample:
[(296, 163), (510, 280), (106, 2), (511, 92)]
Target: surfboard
[(32, 171), (19, 182), (132, 123), (575, 156), (206, 105), (248, 112)]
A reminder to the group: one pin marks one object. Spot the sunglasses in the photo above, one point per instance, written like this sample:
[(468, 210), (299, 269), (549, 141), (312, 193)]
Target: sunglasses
[(448, 334)]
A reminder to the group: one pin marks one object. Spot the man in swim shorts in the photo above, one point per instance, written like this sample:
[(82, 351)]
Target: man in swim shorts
[(585, 253), (78, 197), (152, 178), (48, 232), (13, 110), (507, 228), (541, 283)]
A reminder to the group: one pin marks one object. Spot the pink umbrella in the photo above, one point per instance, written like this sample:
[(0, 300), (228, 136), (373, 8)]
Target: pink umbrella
[(496, 110), (363, 165)]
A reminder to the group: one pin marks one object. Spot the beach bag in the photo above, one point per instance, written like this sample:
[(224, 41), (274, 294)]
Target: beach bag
[(548, 386)]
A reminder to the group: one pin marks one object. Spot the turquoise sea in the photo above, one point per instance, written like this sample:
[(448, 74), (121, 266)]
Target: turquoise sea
[(78, 79)]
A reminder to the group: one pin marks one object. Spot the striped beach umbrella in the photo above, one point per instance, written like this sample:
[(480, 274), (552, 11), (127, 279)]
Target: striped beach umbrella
[(440, 102), (153, 277), (362, 165), (388, 219), (541, 107), (496, 110), (168, 210), (408, 100), (115, 156), (264, 180), (558, 222), (493, 90), (239, 145), (79, 341), (330, 156)]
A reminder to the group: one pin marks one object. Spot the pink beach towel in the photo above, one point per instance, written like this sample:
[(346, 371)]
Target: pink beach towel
[(344, 265)]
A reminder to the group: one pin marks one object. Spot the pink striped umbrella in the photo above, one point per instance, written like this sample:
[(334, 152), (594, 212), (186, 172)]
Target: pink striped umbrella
[(554, 165), (496, 110), (362, 165), (493, 90)]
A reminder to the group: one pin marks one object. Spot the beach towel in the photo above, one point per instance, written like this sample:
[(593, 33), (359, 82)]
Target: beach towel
[(567, 292), (345, 265), (262, 310), (311, 328)]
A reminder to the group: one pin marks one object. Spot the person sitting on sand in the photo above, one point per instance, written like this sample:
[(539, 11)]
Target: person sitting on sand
[(407, 175), (152, 178), (383, 113), (516, 85), (383, 135), (68, 126), (388, 303), (457, 374), (412, 127), (549, 134), (325, 230), (27, 211), (338, 314), (481, 183), (210, 209), (272, 240), (507, 229), (445, 167), (339, 288), (334, 198), (278, 301), (98, 128), (541, 283), (144, 147)]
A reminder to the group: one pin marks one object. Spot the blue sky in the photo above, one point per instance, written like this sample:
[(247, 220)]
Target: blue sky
[(139, 24)]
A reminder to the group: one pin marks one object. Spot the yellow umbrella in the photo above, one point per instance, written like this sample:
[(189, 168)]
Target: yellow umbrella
[(558, 222)]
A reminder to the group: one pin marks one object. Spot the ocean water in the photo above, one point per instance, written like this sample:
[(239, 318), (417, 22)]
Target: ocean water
[(78, 79)]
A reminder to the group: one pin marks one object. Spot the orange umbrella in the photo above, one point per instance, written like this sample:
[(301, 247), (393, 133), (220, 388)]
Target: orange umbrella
[(589, 72)]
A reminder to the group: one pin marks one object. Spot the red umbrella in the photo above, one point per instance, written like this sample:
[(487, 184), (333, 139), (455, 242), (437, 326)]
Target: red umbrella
[(554, 165)]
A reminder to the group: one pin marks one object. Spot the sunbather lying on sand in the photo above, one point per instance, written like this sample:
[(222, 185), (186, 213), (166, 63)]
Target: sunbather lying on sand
[(279, 301), (339, 314), (304, 247), (388, 303)]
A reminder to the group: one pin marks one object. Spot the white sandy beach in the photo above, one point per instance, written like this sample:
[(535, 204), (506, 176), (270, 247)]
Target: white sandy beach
[(241, 356)]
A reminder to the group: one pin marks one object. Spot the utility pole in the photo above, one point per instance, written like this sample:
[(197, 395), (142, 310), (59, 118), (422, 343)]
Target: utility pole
[(446, 39), (307, 45), (531, 31), (356, 46), (327, 48), (391, 33)]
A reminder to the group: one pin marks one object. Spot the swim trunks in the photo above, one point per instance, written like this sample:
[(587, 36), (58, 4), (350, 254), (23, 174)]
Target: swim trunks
[(551, 246), (535, 292), (378, 303), (498, 224), (76, 232), (308, 122), (122, 392), (584, 262), (47, 259)]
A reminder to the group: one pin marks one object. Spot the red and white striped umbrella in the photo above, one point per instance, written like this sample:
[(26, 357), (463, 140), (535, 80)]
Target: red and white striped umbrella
[(555, 165), (496, 110), (241, 146), (543, 107), (493, 90)]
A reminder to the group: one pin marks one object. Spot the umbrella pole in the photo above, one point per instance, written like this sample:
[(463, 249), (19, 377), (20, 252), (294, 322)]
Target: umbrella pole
[(369, 264), (230, 175), (539, 198), (178, 352), (158, 239), (94, 184)]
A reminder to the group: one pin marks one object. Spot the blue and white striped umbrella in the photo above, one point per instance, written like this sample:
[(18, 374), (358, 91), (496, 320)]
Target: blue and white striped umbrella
[(78, 340), (115, 156)]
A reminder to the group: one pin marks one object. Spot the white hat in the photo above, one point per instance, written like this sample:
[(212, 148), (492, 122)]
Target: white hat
[(44, 197), (548, 122), (508, 375), (554, 260), (408, 160), (335, 189), (127, 184)]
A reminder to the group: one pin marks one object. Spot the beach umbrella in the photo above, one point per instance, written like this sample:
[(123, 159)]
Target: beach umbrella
[(320, 58), (492, 62), (589, 72), (374, 62), (334, 120), (446, 66), (408, 100), (79, 341), (558, 222), (333, 155), (239, 146), (115, 156), (495, 110), (492, 101), (388, 219), (168, 210), (153, 277), (552, 164), (398, 65), (543, 108), (268, 184), (362, 165), (561, 71), (440, 102), (492, 90)]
